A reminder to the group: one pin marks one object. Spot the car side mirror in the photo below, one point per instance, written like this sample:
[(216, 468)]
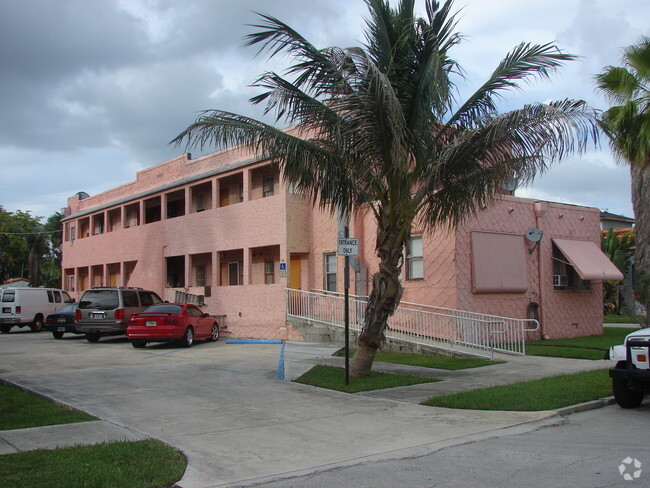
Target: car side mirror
[(206, 315)]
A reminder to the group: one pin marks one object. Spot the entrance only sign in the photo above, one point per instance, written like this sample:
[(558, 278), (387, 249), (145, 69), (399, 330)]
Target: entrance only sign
[(348, 246)]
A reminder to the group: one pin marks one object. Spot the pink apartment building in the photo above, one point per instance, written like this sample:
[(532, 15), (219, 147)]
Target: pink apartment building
[(225, 227)]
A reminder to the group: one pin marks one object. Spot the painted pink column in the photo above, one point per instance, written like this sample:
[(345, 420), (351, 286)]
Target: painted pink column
[(188, 270), (215, 272), (246, 183), (215, 192)]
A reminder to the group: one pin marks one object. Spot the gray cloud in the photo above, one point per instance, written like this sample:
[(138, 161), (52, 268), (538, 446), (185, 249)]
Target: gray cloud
[(94, 89)]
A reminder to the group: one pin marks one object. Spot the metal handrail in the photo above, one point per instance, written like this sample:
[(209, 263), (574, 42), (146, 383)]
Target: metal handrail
[(444, 328)]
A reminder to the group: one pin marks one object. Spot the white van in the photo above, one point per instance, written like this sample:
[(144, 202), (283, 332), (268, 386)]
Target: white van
[(29, 306)]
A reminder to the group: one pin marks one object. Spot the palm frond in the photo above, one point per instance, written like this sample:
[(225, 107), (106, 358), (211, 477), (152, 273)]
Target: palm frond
[(618, 83), (628, 124), (638, 58), (312, 67), (291, 104), (471, 166), (524, 62)]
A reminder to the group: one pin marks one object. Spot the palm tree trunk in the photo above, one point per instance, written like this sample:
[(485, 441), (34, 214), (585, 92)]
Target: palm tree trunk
[(384, 298), (641, 203), (34, 269)]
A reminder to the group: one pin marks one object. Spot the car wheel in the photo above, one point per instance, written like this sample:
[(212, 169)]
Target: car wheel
[(138, 344), (5, 329), (57, 335), (92, 337), (625, 397), (37, 325), (188, 337), (214, 336)]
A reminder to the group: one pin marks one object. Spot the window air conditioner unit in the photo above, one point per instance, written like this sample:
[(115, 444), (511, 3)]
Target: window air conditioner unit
[(560, 280)]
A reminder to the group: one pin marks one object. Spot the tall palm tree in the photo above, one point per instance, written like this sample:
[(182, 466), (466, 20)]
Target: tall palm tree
[(379, 127), (628, 127)]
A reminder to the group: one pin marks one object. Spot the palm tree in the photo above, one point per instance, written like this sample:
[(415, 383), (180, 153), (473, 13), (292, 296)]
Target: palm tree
[(628, 127), (379, 127)]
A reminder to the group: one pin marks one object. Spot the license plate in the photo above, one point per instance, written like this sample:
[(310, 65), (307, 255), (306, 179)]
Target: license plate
[(61, 321), (97, 315), (151, 323), (6, 310), (60, 329)]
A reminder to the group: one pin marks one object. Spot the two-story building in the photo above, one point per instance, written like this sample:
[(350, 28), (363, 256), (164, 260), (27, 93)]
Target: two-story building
[(225, 227)]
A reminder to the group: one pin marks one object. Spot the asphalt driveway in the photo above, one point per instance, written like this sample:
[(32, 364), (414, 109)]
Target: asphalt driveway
[(223, 406)]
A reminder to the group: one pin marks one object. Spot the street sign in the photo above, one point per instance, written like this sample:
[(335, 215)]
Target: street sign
[(348, 246)]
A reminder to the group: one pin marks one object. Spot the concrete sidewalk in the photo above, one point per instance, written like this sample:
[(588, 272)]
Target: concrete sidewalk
[(222, 406), (515, 369), (66, 435)]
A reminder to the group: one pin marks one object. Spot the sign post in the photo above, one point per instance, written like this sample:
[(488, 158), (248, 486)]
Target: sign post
[(347, 247)]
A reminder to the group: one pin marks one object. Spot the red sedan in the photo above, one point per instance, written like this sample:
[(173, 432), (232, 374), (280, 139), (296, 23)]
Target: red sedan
[(166, 322)]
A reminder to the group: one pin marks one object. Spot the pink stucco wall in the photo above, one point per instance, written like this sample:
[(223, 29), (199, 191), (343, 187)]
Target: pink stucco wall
[(255, 227), (286, 229), (562, 313)]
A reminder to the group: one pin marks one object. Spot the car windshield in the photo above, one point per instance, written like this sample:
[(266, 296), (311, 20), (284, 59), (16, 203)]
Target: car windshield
[(70, 308), (163, 308), (99, 300)]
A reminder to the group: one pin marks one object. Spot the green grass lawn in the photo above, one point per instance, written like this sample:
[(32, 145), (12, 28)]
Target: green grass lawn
[(125, 464), (142, 464), (20, 410), (589, 347), (435, 361), (544, 394), (333, 378), (622, 319)]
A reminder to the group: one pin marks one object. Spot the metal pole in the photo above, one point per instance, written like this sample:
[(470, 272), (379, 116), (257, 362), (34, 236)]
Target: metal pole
[(347, 314)]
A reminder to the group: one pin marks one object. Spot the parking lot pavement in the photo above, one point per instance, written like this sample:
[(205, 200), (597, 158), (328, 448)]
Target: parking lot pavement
[(222, 405)]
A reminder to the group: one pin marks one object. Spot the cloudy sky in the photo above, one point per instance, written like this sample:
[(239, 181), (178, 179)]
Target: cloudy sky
[(93, 90)]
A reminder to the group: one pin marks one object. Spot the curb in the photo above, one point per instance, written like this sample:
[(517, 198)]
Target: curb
[(584, 407)]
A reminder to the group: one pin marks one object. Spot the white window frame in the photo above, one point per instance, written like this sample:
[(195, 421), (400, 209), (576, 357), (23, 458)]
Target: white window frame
[(413, 258), (329, 261)]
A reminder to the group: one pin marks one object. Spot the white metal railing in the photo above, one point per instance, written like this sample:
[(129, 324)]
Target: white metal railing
[(470, 332), (181, 296)]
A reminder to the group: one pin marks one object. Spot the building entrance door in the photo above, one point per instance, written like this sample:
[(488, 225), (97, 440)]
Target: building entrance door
[(295, 282)]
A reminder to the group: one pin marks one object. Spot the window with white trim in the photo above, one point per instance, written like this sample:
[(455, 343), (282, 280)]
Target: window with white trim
[(330, 272), (414, 259)]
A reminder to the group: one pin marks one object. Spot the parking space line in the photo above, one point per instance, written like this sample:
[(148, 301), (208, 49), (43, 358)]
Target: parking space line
[(164, 353)]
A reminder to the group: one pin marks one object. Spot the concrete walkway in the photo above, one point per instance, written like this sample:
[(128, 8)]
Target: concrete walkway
[(223, 407), (515, 369), (67, 435)]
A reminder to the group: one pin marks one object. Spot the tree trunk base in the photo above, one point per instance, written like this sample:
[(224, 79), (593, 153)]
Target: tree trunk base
[(361, 363)]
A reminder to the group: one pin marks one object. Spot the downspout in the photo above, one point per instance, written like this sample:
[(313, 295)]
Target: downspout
[(539, 214), (163, 264), (360, 275)]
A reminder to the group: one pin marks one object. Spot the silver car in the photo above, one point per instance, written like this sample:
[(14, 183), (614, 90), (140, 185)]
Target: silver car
[(106, 311)]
